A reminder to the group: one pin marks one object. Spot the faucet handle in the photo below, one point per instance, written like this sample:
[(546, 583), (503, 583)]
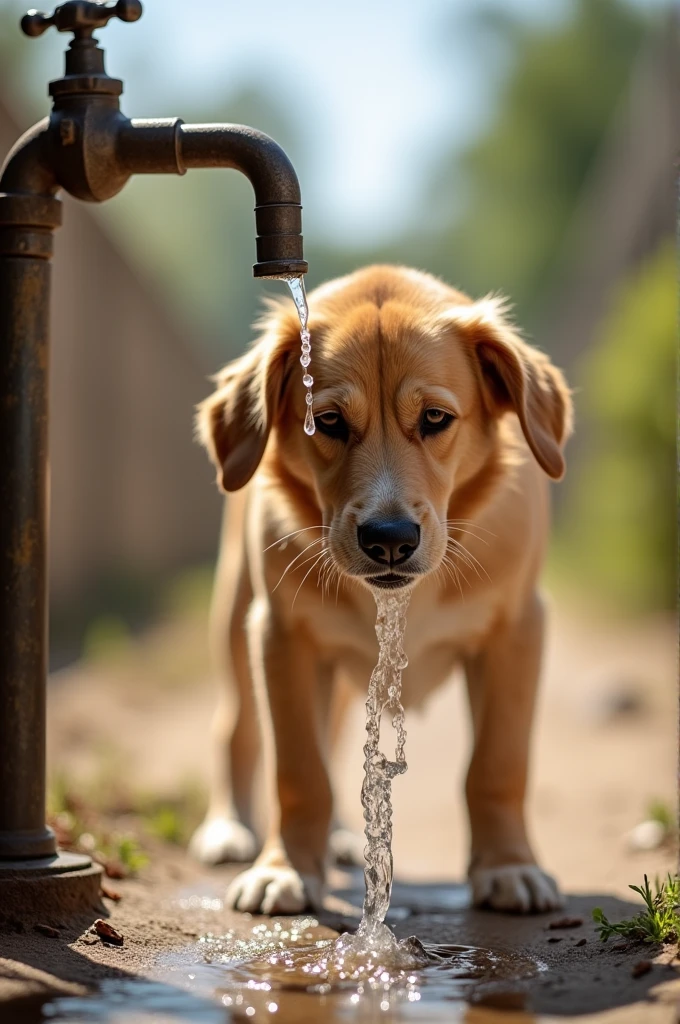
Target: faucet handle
[(81, 17)]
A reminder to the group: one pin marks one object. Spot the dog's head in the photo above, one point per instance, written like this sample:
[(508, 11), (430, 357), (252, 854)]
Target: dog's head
[(412, 382)]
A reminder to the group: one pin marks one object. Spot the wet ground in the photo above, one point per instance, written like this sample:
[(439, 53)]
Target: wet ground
[(605, 747), (185, 958)]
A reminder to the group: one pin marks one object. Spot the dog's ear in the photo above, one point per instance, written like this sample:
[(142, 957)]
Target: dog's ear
[(516, 377), (234, 423)]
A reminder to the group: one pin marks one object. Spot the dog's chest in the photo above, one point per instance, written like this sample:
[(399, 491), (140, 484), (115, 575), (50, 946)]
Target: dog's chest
[(438, 635)]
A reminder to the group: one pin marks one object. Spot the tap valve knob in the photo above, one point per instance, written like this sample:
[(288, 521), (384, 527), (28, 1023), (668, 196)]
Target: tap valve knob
[(81, 17)]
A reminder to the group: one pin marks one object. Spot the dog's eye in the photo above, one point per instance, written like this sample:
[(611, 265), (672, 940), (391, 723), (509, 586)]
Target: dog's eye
[(434, 421), (332, 424)]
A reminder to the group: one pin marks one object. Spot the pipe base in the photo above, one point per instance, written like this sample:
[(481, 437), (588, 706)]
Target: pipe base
[(49, 889)]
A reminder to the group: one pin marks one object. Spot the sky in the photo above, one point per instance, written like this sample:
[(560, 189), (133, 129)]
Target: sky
[(369, 85), (364, 78)]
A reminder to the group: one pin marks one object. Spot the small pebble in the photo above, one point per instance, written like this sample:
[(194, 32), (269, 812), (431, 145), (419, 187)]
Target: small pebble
[(581, 942), (46, 929), (554, 938), (648, 835), (640, 968), (566, 922), (107, 933)]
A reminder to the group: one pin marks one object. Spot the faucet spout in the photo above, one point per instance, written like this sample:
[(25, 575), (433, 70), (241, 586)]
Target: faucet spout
[(169, 146)]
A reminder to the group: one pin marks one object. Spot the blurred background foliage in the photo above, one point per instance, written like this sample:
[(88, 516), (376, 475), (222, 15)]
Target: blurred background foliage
[(618, 527), (493, 210)]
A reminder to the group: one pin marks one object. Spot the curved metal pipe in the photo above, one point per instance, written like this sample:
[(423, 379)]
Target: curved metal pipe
[(27, 168), (255, 154), (169, 146)]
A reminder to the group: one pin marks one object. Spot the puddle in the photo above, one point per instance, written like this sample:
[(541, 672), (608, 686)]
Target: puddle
[(289, 970)]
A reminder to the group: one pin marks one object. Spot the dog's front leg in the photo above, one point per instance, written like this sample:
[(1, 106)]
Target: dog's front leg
[(502, 681), (288, 874)]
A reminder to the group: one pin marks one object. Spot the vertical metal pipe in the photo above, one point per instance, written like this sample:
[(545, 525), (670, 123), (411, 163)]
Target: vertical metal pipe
[(26, 226)]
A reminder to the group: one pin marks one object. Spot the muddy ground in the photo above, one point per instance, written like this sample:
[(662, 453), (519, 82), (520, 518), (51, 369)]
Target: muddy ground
[(605, 750)]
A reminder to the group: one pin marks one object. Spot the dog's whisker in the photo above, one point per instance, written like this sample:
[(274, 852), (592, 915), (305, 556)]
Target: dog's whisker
[(450, 569), (324, 574), (331, 576), (311, 569), (462, 552), (318, 540), (295, 533), (459, 526), (459, 570), (467, 554), (470, 533), (439, 575), (468, 522), (320, 578), (333, 573), (455, 574)]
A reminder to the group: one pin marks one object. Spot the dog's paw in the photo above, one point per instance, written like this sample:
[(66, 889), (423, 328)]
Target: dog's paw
[(515, 888), (346, 848), (265, 889), (221, 841)]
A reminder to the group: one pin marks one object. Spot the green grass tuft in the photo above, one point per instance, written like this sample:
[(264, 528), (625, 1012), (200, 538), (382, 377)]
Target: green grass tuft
[(658, 922)]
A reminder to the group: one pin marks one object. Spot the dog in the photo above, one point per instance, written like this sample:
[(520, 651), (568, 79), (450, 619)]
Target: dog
[(437, 428)]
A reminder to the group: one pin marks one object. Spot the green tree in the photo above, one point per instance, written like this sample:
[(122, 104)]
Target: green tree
[(619, 524), (521, 178)]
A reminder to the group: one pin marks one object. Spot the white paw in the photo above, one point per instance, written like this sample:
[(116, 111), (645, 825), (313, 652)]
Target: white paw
[(221, 840), (263, 889), (346, 847), (520, 888)]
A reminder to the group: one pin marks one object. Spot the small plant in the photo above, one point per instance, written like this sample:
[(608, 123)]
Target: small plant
[(127, 850), (166, 823), (658, 922), (661, 812)]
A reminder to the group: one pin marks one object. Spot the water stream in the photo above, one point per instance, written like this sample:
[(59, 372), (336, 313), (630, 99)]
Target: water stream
[(384, 695)]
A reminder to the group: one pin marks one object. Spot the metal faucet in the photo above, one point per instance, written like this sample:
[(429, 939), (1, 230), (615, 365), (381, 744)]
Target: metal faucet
[(90, 149)]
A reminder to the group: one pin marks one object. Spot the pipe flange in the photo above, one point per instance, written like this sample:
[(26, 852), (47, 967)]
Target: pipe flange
[(30, 211)]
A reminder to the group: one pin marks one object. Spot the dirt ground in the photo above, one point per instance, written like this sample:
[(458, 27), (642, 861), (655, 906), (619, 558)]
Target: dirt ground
[(605, 749)]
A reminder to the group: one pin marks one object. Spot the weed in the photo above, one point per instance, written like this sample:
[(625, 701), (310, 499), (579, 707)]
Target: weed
[(127, 850), (166, 823), (658, 922), (661, 812)]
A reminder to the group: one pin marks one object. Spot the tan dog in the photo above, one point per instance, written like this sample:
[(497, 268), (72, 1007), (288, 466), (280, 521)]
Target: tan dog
[(436, 427)]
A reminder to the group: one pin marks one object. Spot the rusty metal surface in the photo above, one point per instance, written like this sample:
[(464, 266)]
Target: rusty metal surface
[(24, 318)]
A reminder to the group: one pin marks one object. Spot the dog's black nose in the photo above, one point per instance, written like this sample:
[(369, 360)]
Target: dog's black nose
[(389, 543)]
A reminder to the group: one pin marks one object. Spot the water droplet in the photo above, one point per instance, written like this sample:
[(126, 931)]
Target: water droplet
[(310, 425)]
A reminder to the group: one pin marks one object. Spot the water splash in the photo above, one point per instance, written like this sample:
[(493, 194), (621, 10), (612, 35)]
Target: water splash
[(297, 289)]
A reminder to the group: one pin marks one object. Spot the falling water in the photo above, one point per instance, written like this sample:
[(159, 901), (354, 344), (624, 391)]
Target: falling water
[(297, 288), (384, 694)]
